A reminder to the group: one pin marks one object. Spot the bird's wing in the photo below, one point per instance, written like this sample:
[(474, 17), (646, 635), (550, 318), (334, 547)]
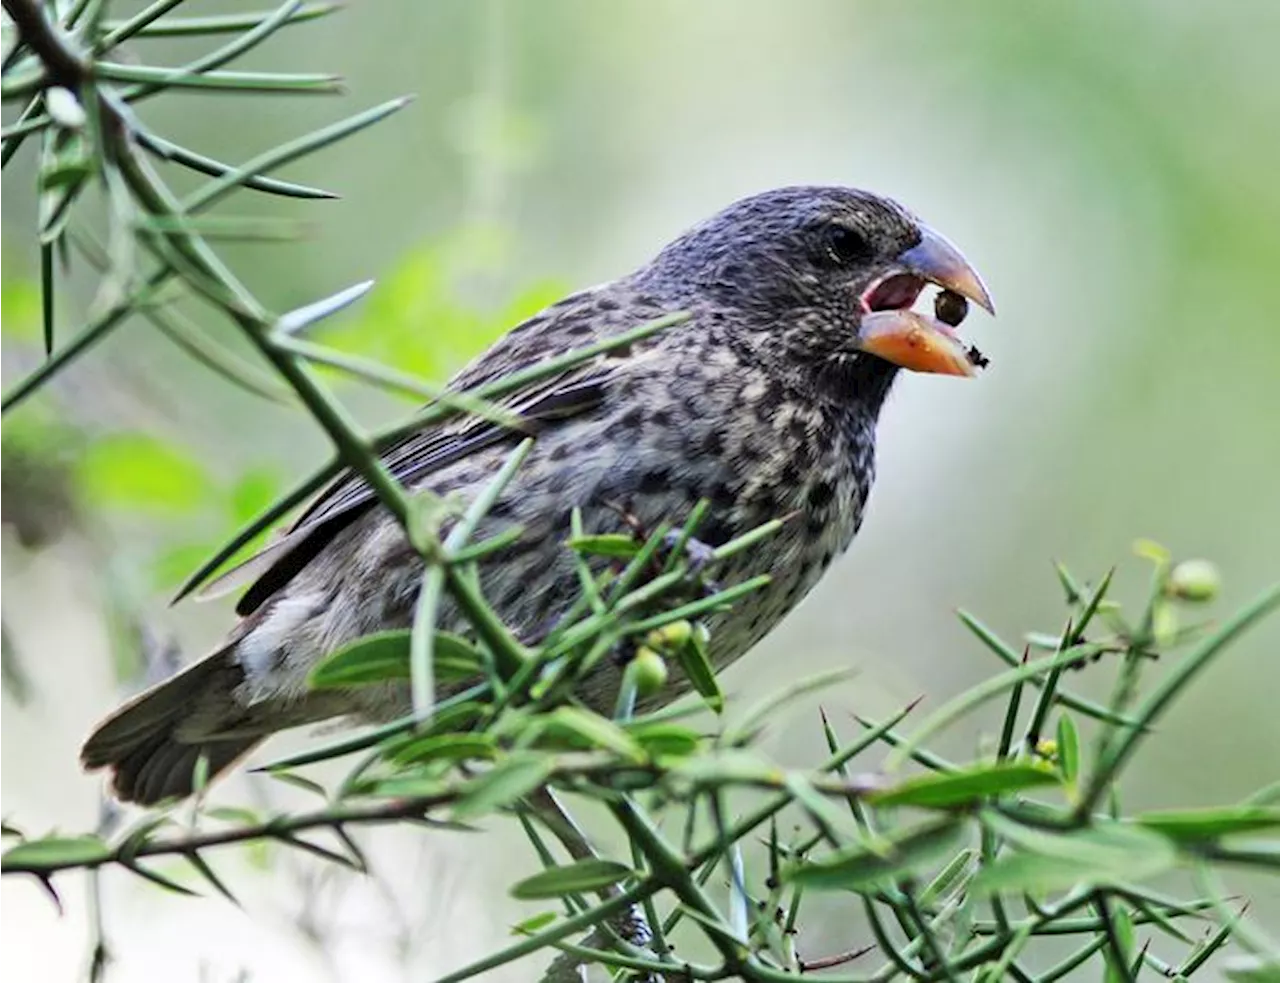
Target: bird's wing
[(412, 458)]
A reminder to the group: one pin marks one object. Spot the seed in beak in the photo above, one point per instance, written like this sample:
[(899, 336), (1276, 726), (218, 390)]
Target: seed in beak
[(950, 308)]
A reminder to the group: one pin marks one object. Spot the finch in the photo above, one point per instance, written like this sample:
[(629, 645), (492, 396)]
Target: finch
[(764, 403)]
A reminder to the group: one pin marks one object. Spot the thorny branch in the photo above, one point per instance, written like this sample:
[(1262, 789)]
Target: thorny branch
[(526, 734)]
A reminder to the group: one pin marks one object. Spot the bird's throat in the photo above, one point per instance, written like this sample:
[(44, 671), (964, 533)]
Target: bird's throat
[(859, 383)]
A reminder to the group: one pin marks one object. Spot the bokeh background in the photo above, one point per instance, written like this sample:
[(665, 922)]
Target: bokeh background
[(1111, 168)]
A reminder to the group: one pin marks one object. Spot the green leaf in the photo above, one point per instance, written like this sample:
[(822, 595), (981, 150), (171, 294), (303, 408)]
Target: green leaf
[(1208, 824), (133, 470), (1105, 854), (136, 836), (160, 880), (118, 31), (450, 747), (238, 815), (179, 78), (65, 175), (505, 783), (952, 874), (216, 168), (1068, 748), (1124, 943), (384, 656), (664, 738), (575, 878), (57, 851), (608, 544), (697, 666), (889, 857), (406, 784), (202, 867), (298, 781), (446, 718), (962, 788), (534, 924), (584, 728)]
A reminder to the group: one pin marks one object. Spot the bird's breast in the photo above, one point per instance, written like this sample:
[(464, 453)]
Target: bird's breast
[(813, 472)]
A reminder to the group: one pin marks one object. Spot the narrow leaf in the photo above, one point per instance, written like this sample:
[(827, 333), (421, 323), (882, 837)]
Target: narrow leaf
[(167, 27), (1208, 824), (384, 656), (584, 728), (696, 663), (895, 856), (607, 544), (1068, 748), (447, 747), (160, 880), (665, 738), (963, 788), (303, 317), (504, 784), (56, 851), (575, 878), (534, 924), (1049, 861)]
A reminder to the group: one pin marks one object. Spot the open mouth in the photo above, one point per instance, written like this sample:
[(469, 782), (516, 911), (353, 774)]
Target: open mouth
[(896, 292), (915, 340)]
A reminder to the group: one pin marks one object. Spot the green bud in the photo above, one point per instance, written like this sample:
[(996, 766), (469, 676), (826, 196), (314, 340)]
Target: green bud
[(669, 637), (1164, 623), (648, 670), (1194, 580)]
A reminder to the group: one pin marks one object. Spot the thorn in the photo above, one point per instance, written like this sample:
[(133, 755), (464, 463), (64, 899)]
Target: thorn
[(47, 883)]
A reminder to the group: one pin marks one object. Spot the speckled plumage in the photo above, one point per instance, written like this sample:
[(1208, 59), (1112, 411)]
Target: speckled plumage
[(761, 403)]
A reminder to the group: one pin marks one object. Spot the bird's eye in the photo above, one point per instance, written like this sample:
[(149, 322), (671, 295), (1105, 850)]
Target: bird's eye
[(846, 245)]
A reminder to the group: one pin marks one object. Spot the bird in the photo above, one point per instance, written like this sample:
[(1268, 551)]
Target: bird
[(762, 403)]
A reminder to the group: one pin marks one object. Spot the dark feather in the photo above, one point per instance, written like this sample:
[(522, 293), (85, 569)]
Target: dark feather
[(410, 460)]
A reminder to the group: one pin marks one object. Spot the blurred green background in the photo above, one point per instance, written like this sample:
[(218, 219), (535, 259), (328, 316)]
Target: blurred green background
[(1110, 168)]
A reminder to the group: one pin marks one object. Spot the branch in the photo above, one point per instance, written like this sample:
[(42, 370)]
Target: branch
[(63, 66), (602, 768)]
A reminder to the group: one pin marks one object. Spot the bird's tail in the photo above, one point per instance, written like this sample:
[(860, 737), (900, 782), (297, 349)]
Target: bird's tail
[(153, 742)]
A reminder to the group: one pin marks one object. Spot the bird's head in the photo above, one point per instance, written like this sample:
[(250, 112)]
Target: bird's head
[(824, 278)]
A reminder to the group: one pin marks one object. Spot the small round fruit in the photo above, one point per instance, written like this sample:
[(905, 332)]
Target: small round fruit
[(670, 636), (648, 670), (950, 308), (1194, 580)]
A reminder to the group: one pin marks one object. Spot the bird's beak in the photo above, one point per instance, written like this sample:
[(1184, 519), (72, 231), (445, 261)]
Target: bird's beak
[(917, 341), (936, 260)]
